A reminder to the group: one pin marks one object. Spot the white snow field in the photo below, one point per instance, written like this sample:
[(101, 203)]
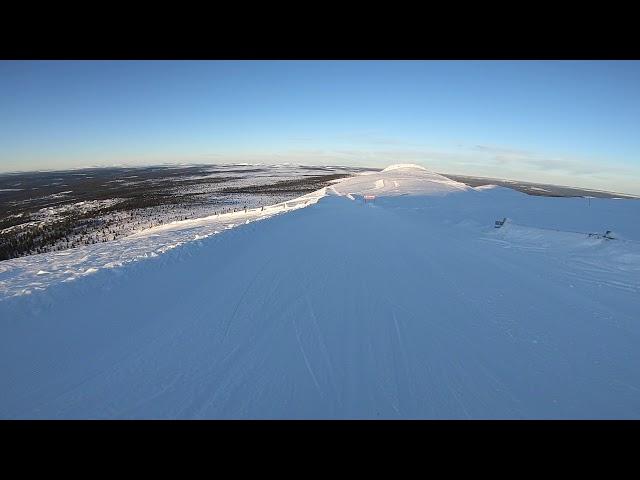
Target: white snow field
[(409, 306)]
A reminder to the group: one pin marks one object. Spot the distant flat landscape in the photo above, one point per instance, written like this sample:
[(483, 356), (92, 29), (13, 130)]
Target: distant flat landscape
[(47, 211), (538, 189), (56, 210)]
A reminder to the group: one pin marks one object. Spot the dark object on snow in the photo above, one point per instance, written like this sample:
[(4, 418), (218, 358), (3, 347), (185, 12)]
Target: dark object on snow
[(607, 235), (500, 223)]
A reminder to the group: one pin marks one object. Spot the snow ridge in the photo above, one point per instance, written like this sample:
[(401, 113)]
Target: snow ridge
[(404, 166)]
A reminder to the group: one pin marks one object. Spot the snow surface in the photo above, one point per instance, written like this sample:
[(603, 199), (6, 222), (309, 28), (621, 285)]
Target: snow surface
[(411, 306)]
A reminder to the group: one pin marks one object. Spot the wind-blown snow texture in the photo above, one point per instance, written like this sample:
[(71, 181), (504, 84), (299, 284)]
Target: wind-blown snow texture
[(411, 306)]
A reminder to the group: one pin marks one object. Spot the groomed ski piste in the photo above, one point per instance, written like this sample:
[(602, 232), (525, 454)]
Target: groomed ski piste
[(410, 305)]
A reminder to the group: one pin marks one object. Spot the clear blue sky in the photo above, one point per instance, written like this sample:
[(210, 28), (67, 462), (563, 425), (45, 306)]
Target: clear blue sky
[(573, 123)]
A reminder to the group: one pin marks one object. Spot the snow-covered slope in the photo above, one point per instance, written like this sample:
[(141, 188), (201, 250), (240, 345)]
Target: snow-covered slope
[(411, 306)]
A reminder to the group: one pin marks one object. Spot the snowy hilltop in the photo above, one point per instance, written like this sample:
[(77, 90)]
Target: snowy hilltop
[(392, 294), (401, 179)]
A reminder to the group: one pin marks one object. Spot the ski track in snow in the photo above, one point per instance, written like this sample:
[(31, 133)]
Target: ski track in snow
[(411, 306)]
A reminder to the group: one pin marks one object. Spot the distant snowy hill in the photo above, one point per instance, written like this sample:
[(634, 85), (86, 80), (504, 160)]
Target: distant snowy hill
[(408, 305), (402, 179)]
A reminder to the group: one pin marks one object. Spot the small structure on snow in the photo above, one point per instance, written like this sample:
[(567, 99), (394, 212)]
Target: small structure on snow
[(608, 235)]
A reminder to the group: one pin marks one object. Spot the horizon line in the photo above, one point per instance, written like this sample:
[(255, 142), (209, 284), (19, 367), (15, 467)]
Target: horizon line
[(169, 164)]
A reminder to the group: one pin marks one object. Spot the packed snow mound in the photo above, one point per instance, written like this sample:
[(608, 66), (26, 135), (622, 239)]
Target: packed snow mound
[(491, 186), (400, 179), (403, 166)]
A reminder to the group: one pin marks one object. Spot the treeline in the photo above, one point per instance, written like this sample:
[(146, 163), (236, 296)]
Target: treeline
[(33, 239), (298, 185), (143, 209), (86, 228)]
